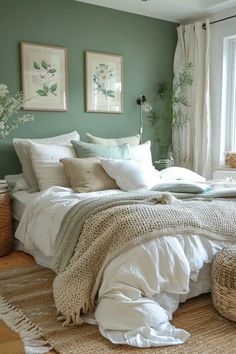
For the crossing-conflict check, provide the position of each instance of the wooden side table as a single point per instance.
(6, 239)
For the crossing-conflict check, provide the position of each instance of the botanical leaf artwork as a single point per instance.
(102, 80)
(44, 78)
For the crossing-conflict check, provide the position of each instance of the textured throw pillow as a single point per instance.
(131, 140)
(142, 153)
(95, 150)
(22, 148)
(47, 166)
(180, 173)
(182, 187)
(130, 174)
(87, 175)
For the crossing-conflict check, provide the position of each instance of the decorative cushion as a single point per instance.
(87, 174)
(131, 140)
(180, 173)
(181, 187)
(22, 148)
(47, 167)
(142, 153)
(93, 150)
(130, 174)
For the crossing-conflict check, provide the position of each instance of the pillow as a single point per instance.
(87, 175)
(180, 173)
(22, 148)
(130, 174)
(47, 167)
(131, 140)
(16, 183)
(94, 150)
(142, 153)
(182, 187)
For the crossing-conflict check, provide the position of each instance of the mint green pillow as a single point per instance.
(119, 152)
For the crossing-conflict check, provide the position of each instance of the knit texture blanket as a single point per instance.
(95, 231)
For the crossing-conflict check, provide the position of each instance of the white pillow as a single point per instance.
(22, 148)
(16, 183)
(180, 173)
(130, 174)
(142, 153)
(48, 170)
(131, 140)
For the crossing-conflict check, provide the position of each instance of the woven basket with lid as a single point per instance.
(5, 224)
(223, 276)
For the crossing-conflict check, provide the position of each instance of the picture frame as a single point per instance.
(44, 77)
(104, 82)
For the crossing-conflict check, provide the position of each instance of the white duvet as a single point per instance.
(141, 288)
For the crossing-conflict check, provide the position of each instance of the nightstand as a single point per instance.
(6, 239)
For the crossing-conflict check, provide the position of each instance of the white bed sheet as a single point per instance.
(142, 287)
(19, 201)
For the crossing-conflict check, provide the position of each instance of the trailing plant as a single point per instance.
(173, 95)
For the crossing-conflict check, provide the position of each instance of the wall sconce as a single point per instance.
(145, 106)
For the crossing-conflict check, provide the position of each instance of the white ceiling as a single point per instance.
(170, 10)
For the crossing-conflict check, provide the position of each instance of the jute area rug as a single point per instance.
(26, 305)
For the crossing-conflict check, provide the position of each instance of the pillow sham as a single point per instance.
(131, 140)
(182, 187)
(22, 148)
(131, 175)
(87, 175)
(180, 173)
(142, 153)
(47, 167)
(93, 150)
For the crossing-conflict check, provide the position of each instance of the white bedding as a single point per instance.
(19, 201)
(142, 287)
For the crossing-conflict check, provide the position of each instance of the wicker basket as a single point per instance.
(5, 224)
(223, 276)
(230, 159)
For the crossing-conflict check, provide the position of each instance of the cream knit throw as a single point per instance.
(116, 223)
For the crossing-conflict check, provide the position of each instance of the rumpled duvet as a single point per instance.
(141, 288)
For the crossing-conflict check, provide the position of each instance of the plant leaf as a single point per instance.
(52, 71)
(110, 91)
(54, 87)
(46, 89)
(44, 64)
(41, 93)
(36, 66)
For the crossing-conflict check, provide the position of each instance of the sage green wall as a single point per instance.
(147, 46)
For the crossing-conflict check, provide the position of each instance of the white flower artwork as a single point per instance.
(44, 77)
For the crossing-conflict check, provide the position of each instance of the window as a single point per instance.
(229, 92)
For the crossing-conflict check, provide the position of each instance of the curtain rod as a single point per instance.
(222, 19)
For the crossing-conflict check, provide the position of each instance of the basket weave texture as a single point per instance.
(223, 276)
(230, 159)
(5, 224)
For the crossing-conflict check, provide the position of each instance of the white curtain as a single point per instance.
(191, 142)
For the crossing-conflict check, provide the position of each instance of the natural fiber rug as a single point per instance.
(30, 290)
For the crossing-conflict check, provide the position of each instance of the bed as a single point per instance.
(139, 288)
(134, 306)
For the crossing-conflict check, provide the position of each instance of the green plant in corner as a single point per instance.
(9, 107)
(174, 99)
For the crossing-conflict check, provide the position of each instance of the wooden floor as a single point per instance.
(10, 342)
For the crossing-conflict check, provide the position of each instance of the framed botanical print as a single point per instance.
(44, 77)
(104, 82)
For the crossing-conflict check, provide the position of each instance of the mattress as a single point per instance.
(19, 201)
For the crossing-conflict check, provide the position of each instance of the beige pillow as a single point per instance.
(131, 140)
(22, 148)
(87, 174)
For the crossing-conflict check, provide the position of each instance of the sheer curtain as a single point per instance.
(191, 142)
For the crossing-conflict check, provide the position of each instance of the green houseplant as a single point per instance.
(173, 97)
(10, 118)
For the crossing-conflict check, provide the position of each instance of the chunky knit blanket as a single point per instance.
(95, 231)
